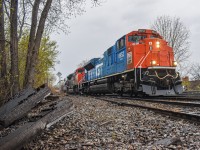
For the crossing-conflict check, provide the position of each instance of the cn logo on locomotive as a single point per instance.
(121, 55)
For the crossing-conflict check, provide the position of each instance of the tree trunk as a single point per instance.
(31, 41)
(14, 47)
(2, 43)
(30, 70)
(3, 67)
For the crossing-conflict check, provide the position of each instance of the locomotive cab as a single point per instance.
(153, 62)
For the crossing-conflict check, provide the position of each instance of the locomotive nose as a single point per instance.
(160, 54)
(155, 45)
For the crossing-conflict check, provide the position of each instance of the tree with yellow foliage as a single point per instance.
(46, 60)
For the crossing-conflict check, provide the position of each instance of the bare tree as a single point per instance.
(3, 68)
(11, 19)
(195, 71)
(53, 14)
(28, 77)
(23, 14)
(37, 17)
(176, 34)
(14, 47)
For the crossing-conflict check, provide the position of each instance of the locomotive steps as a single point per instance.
(29, 113)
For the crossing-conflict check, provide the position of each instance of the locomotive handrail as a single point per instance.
(136, 67)
(144, 59)
(79, 83)
(161, 67)
(167, 75)
(141, 65)
(138, 62)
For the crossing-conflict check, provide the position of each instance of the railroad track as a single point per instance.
(181, 98)
(183, 111)
(194, 103)
(191, 93)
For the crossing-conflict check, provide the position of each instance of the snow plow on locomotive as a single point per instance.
(139, 62)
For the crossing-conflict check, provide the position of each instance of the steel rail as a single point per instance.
(182, 115)
(182, 98)
(171, 102)
(164, 100)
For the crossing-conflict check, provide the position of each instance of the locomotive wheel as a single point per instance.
(141, 94)
(136, 94)
(131, 94)
(121, 93)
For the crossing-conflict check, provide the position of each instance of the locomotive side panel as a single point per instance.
(121, 54)
(109, 61)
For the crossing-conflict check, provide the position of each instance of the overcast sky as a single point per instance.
(98, 28)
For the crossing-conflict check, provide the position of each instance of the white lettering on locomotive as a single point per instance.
(121, 55)
(98, 69)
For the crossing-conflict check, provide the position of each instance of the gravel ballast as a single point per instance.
(96, 124)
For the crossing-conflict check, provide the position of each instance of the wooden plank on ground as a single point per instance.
(18, 138)
(22, 109)
(62, 108)
(21, 136)
(16, 101)
(52, 97)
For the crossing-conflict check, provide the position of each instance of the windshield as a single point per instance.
(136, 38)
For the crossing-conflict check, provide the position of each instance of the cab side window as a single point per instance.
(121, 43)
(109, 52)
(136, 38)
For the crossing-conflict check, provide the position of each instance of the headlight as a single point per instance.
(158, 44)
(153, 62)
(174, 63)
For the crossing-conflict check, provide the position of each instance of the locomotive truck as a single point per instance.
(139, 62)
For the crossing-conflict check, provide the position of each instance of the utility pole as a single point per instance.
(59, 74)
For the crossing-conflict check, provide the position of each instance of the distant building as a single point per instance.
(194, 85)
(185, 79)
(190, 85)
